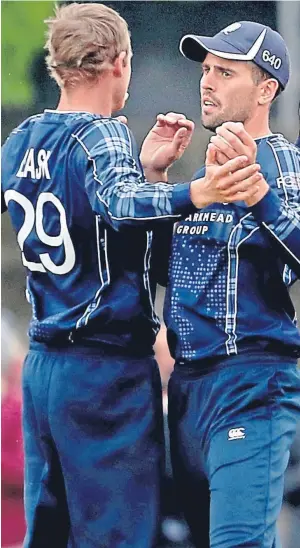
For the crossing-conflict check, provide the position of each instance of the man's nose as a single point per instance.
(207, 81)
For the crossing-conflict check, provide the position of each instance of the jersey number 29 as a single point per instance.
(36, 217)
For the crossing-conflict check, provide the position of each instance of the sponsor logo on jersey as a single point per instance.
(291, 181)
(236, 434)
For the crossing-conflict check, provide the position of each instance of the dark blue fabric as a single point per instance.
(231, 268)
(84, 217)
(93, 444)
(231, 431)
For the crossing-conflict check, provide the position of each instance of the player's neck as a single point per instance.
(258, 125)
(86, 99)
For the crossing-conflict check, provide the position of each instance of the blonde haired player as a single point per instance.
(85, 218)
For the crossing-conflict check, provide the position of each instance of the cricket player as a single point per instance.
(84, 216)
(234, 396)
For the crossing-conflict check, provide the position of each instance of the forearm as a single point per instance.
(125, 199)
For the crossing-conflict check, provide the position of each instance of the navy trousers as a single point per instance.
(93, 449)
(230, 432)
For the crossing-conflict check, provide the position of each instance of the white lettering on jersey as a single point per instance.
(35, 165)
(186, 229)
(210, 217)
(291, 181)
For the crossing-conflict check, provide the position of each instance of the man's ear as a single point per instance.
(268, 91)
(119, 63)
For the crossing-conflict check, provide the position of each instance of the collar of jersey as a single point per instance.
(53, 111)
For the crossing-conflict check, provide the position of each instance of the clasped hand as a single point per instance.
(230, 142)
(232, 173)
(165, 143)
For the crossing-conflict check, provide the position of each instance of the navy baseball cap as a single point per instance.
(243, 41)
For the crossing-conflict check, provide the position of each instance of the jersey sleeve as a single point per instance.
(199, 173)
(279, 211)
(115, 183)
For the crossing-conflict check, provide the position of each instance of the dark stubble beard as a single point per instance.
(240, 114)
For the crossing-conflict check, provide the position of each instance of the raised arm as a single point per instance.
(117, 189)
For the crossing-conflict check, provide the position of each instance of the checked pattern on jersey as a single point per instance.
(116, 178)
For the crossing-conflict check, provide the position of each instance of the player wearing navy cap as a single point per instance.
(85, 217)
(234, 396)
(243, 41)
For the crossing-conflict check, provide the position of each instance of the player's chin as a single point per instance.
(120, 105)
(209, 122)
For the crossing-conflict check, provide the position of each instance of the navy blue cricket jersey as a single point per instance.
(232, 266)
(84, 217)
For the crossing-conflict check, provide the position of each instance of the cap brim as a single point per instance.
(195, 48)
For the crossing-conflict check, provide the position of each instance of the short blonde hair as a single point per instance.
(83, 40)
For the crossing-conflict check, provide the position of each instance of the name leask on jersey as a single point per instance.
(35, 164)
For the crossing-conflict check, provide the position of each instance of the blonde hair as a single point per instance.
(83, 40)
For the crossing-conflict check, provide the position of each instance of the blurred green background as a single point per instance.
(23, 32)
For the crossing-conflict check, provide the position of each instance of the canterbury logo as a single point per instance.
(236, 434)
(232, 28)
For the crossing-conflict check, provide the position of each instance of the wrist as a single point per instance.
(259, 195)
(198, 193)
(156, 175)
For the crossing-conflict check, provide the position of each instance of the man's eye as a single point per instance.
(226, 74)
